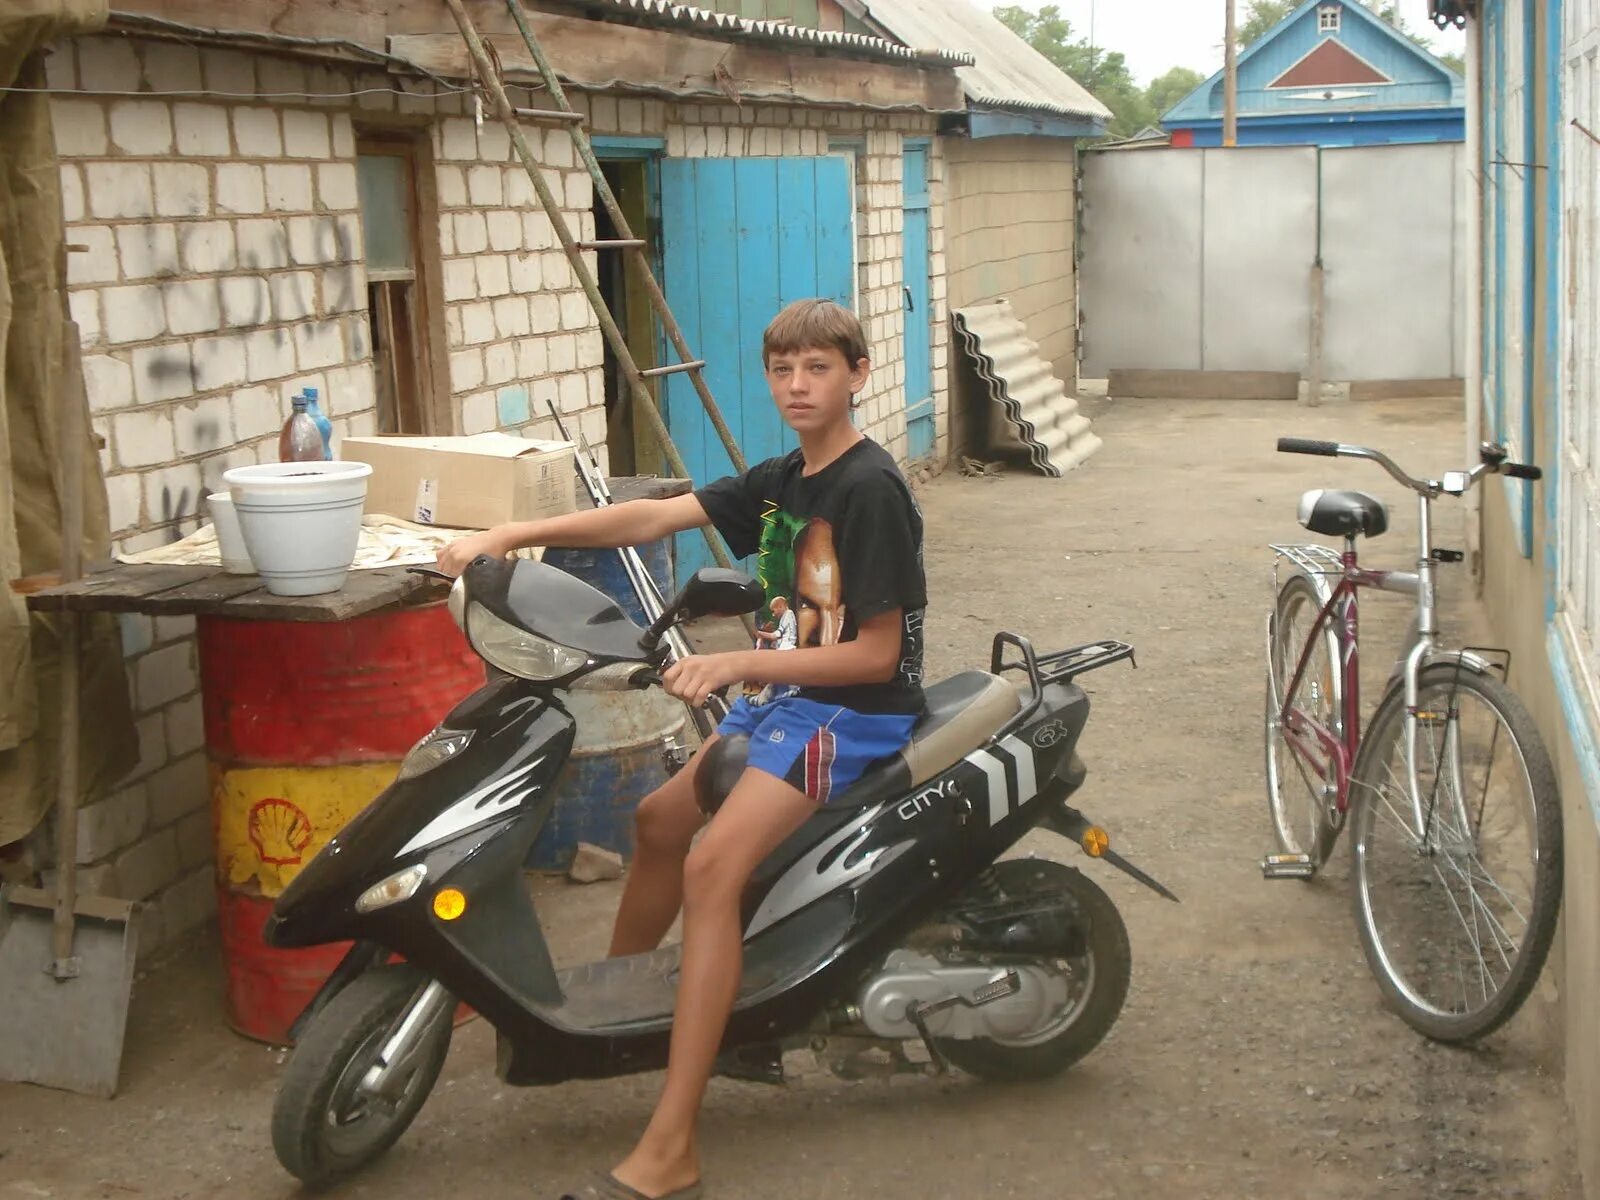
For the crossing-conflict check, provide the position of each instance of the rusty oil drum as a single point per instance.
(306, 722)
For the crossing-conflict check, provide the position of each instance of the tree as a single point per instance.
(1166, 90)
(1104, 73)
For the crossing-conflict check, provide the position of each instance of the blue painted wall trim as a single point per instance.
(984, 124)
(606, 146)
(1332, 131)
(1575, 710)
(1554, 256)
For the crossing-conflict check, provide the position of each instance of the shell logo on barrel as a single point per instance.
(279, 831)
(271, 821)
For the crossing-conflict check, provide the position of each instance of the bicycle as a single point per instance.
(1456, 899)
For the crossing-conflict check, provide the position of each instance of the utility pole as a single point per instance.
(1230, 83)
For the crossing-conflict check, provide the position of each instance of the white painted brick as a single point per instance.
(72, 203)
(142, 127)
(171, 497)
(458, 139)
(138, 633)
(519, 190)
(111, 824)
(630, 115)
(452, 324)
(716, 144)
(336, 186)
(603, 113)
(144, 438)
(257, 412)
(452, 185)
(108, 63)
(164, 675)
(580, 192)
(108, 381)
(294, 295)
(162, 373)
(557, 271)
(505, 230)
(591, 347)
(207, 246)
(118, 189)
(269, 354)
(563, 353)
(189, 903)
(192, 306)
(364, 424)
(124, 496)
(527, 275)
(97, 264)
(484, 188)
(148, 865)
(240, 188)
(533, 357)
(201, 428)
(246, 301)
(263, 246)
(85, 310)
(147, 251)
(494, 143)
(283, 77)
(183, 786)
(575, 311)
(133, 314)
(537, 231)
(61, 67)
(202, 130)
(350, 390)
(172, 67)
(305, 134)
(447, 236)
(477, 323)
(318, 344)
(543, 394)
(574, 392)
(511, 316)
(313, 241)
(460, 279)
(344, 136)
(500, 363)
(219, 362)
(479, 414)
(544, 310)
(288, 187)
(494, 275)
(466, 369)
(472, 233)
(257, 133)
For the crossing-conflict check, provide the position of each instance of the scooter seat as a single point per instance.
(962, 712)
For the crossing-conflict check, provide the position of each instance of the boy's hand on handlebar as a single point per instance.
(695, 678)
(453, 559)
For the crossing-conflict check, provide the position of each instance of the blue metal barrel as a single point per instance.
(603, 569)
(616, 762)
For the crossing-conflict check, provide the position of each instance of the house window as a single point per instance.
(386, 176)
(1328, 19)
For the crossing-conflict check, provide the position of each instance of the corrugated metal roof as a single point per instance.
(1006, 72)
(660, 12)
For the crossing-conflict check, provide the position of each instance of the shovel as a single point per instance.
(66, 961)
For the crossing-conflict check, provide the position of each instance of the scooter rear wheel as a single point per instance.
(323, 1127)
(1105, 969)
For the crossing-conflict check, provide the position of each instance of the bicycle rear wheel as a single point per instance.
(1456, 915)
(1300, 797)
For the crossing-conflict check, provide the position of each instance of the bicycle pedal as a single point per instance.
(1288, 866)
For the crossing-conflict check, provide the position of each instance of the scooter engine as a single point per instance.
(990, 1004)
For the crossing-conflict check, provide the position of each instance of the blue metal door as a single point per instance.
(915, 296)
(743, 237)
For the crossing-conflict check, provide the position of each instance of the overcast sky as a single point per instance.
(1158, 34)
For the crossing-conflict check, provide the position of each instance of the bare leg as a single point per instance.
(664, 829)
(761, 811)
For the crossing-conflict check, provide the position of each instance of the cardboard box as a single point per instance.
(466, 482)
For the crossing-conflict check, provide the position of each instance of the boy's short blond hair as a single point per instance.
(815, 325)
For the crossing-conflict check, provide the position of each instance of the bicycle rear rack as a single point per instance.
(1312, 558)
(1059, 667)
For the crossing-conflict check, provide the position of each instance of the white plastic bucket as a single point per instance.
(301, 522)
(230, 541)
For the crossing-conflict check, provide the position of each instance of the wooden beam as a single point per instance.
(600, 54)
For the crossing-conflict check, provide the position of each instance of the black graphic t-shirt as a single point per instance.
(834, 549)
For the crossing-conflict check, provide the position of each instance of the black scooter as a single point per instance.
(887, 919)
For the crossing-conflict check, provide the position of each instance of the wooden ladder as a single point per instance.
(563, 115)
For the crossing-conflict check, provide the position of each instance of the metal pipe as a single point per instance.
(1230, 84)
(1472, 182)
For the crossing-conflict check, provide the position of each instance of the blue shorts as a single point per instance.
(821, 749)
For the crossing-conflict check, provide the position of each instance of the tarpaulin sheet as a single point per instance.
(34, 337)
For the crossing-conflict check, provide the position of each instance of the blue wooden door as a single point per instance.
(915, 297)
(743, 237)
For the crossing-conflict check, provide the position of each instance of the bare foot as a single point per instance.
(658, 1174)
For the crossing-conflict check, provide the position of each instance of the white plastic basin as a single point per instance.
(301, 522)
(230, 542)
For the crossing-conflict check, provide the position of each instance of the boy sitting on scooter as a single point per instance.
(840, 539)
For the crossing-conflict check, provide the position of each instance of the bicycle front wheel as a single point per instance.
(1299, 796)
(1456, 909)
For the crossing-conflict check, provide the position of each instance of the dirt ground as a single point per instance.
(1253, 1057)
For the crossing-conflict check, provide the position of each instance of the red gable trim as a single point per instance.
(1329, 65)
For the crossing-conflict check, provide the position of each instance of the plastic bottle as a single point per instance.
(324, 426)
(299, 441)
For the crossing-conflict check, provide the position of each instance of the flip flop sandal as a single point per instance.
(607, 1186)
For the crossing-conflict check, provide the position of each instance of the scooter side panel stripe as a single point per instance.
(1027, 782)
(482, 805)
(994, 772)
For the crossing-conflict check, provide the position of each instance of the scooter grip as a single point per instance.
(644, 679)
(1308, 446)
(1523, 471)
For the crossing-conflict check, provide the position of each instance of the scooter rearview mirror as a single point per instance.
(710, 592)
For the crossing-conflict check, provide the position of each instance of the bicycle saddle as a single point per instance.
(1343, 514)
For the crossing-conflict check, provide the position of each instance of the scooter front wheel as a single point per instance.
(324, 1124)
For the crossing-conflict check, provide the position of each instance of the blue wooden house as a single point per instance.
(1331, 73)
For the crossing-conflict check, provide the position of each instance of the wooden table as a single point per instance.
(171, 591)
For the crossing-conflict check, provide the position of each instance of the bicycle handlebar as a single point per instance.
(1307, 446)
(1492, 461)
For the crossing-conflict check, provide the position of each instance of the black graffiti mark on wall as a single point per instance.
(181, 505)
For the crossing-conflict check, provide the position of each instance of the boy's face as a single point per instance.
(812, 388)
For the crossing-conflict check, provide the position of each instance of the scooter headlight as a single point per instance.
(438, 747)
(518, 652)
(402, 885)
